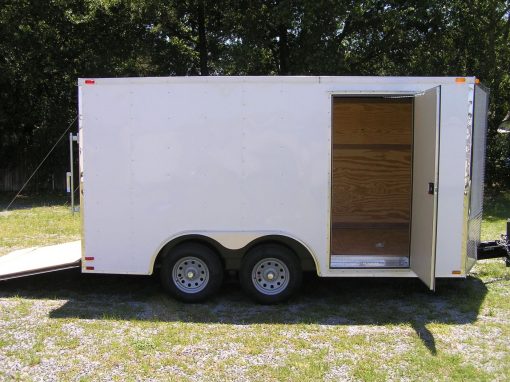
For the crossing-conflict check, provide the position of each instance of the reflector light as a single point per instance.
(89, 258)
(477, 81)
(89, 268)
(460, 79)
(90, 82)
(455, 272)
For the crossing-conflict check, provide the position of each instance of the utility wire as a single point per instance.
(40, 164)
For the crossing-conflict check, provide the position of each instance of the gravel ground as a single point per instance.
(68, 326)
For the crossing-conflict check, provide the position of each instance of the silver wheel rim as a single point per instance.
(190, 274)
(270, 276)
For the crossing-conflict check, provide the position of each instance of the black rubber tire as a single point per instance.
(204, 253)
(281, 253)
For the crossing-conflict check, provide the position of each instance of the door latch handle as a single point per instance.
(431, 188)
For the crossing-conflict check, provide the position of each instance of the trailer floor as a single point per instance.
(31, 261)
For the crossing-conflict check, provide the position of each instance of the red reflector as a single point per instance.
(89, 268)
(90, 82)
(89, 258)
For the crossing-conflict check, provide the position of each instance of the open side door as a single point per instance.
(425, 178)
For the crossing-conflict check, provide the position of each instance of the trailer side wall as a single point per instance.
(236, 158)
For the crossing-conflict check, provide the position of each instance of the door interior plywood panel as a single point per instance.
(372, 120)
(371, 185)
(384, 242)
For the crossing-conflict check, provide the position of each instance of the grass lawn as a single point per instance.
(33, 221)
(69, 326)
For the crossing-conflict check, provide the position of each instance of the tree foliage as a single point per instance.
(47, 45)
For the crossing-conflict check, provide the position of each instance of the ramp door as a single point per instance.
(32, 261)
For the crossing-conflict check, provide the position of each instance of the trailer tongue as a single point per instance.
(496, 248)
(32, 261)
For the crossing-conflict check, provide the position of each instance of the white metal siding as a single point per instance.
(226, 157)
(477, 172)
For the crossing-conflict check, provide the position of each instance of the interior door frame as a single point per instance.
(360, 94)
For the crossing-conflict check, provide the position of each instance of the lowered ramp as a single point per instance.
(36, 260)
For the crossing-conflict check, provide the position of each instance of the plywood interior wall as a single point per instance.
(371, 176)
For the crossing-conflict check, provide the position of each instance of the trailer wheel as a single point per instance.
(270, 273)
(191, 272)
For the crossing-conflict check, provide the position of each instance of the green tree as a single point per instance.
(47, 45)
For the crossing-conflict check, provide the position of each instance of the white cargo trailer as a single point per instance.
(269, 176)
